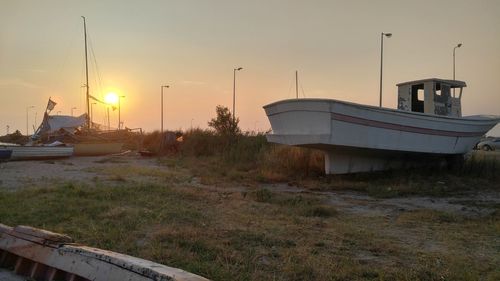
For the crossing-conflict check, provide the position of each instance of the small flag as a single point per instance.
(96, 99)
(51, 105)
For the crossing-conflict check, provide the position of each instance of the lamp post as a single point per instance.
(234, 92)
(91, 112)
(109, 126)
(8, 127)
(72, 110)
(27, 112)
(36, 114)
(166, 86)
(457, 46)
(119, 112)
(388, 35)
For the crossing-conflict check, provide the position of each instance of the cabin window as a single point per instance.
(438, 89)
(417, 98)
(420, 95)
(456, 93)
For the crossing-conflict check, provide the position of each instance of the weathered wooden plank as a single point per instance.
(43, 234)
(79, 261)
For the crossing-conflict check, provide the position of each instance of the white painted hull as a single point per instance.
(333, 125)
(40, 152)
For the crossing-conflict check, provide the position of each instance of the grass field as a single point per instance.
(227, 219)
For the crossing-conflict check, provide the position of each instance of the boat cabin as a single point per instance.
(431, 96)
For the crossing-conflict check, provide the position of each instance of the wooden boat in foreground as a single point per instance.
(28, 152)
(427, 125)
(28, 253)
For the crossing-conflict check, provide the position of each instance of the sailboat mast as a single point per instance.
(86, 73)
(296, 84)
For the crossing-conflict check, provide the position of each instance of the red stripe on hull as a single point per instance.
(398, 127)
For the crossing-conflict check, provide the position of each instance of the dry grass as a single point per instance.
(259, 233)
(237, 228)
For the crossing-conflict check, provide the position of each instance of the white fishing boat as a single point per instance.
(33, 152)
(28, 253)
(358, 138)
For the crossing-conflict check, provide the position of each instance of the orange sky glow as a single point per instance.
(193, 46)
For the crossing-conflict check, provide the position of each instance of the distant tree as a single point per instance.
(16, 137)
(223, 124)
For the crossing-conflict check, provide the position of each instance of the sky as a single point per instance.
(193, 46)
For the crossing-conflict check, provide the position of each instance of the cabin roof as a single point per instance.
(452, 83)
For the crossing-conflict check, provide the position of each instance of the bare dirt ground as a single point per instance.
(23, 174)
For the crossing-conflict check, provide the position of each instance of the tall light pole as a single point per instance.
(109, 126)
(27, 112)
(72, 110)
(91, 112)
(119, 112)
(457, 46)
(388, 35)
(166, 86)
(36, 113)
(234, 93)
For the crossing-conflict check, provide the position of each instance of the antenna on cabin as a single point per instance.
(296, 84)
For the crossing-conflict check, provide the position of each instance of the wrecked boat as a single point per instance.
(28, 253)
(73, 131)
(427, 124)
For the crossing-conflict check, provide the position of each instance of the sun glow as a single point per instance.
(111, 98)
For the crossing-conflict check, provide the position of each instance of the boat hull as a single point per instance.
(35, 254)
(370, 134)
(40, 152)
(97, 149)
(5, 154)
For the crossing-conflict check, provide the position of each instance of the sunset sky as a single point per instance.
(193, 46)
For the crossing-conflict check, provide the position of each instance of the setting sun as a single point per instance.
(111, 98)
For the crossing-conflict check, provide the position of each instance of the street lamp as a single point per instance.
(457, 46)
(234, 92)
(91, 112)
(27, 112)
(72, 110)
(119, 112)
(166, 86)
(388, 35)
(36, 113)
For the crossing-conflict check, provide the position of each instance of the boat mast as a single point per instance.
(86, 73)
(296, 84)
